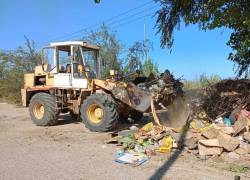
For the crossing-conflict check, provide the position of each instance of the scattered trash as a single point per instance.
(219, 120)
(223, 155)
(202, 114)
(125, 138)
(227, 121)
(166, 145)
(217, 132)
(233, 155)
(140, 149)
(181, 129)
(174, 151)
(149, 152)
(3, 116)
(131, 159)
(194, 125)
(143, 155)
(145, 129)
(133, 129)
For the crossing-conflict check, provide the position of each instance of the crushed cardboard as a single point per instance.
(209, 147)
(241, 123)
(226, 141)
(226, 129)
(245, 146)
(240, 151)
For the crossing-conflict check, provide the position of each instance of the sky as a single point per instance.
(194, 52)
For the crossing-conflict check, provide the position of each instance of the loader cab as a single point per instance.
(63, 58)
(89, 59)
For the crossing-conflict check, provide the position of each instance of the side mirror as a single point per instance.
(86, 68)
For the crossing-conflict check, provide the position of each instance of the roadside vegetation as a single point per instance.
(201, 82)
(126, 59)
(196, 88)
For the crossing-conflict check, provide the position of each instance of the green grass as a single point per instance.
(234, 168)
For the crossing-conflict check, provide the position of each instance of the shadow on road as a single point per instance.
(65, 119)
(123, 123)
(165, 167)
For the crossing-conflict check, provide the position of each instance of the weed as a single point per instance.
(234, 168)
(211, 165)
(237, 168)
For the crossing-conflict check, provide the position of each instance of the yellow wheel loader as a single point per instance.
(77, 87)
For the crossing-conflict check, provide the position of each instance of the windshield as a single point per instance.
(86, 57)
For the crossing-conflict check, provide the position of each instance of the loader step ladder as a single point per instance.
(59, 99)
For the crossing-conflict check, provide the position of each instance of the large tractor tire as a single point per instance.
(136, 115)
(55, 121)
(99, 112)
(42, 110)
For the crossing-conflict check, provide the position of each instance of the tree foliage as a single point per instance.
(13, 65)
(119, 57)
(150, 66)
(111, 48)
(136, 56)
(209, 14)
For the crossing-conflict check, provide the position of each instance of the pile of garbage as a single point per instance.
(217, 129)
(225, 96)
(199, 138)
(136, 145)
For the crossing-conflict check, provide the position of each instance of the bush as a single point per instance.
(13, 65)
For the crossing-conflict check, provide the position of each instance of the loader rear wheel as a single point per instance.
(55, 121)
(42, 110)
(99, 112)
(136, 115)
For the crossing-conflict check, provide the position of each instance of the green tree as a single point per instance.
(150, 66)
(13, 65)
(111, 49)
(135, 59)
(209, 14)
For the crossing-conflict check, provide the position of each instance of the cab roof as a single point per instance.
(76, 43)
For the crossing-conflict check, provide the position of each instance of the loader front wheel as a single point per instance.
(42, 110)
(99, 112)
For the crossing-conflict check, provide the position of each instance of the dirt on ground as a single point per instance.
(70, 151)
